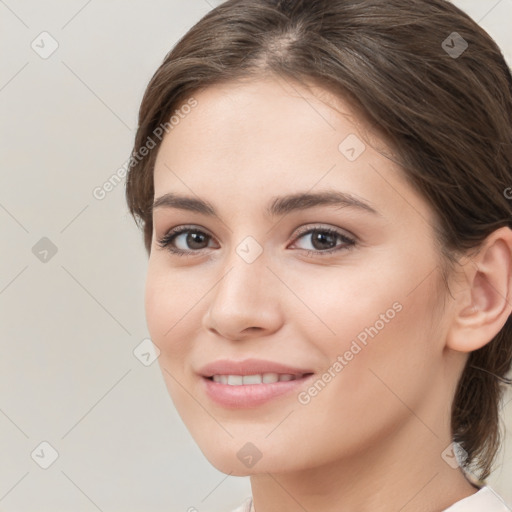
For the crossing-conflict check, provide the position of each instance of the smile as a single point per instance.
(262, 378)
(249, 391)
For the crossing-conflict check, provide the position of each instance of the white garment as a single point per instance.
(485, 500)
(246, 506)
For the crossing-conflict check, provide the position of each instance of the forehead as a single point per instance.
(272, 136)
(270, 122)
(259, 110)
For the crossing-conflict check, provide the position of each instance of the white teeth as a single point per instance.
(261, 378)
(235, 380)
(252, 379)
(269, 378)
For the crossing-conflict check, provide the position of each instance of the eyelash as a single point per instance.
(166, 241)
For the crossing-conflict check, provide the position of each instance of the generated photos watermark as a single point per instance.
(100, 192)
(356, 346)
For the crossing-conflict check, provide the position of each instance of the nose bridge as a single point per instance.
(245, 271)
(242, 297)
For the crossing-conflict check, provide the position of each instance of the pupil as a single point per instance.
(193, 238)
(321, 236)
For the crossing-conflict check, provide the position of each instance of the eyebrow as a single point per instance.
(280, 205)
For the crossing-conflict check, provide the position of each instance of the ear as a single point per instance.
(484, 301)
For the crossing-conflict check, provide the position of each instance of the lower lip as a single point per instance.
(250, 395)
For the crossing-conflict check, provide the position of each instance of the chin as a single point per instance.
(245, 460)
(228, 463)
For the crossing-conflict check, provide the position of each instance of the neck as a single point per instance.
(402, 471)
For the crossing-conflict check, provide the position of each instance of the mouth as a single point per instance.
(251, 390)
(236, 384)
(255, 379)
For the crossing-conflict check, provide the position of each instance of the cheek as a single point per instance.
(169, 327)
(156, 307)
(395, 351)
(382, 319)
(349, 303)
(367, 390)
(169, 313)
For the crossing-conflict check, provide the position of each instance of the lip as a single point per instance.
(250, 395)
(248, 367)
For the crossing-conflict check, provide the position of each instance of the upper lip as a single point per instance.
(248, 367)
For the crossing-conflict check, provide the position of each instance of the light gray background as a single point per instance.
(68, 326)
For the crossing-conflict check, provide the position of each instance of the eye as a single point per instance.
(322, 241)
(190, 238)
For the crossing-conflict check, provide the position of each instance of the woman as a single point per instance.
(326, 215)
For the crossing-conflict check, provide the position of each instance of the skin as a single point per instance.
(373, 438)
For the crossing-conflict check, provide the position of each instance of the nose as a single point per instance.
(244, 302)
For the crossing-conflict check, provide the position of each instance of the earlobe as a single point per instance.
(484, 302)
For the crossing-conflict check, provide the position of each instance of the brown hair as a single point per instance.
(445, 108)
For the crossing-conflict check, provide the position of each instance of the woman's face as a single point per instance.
(344, 293)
